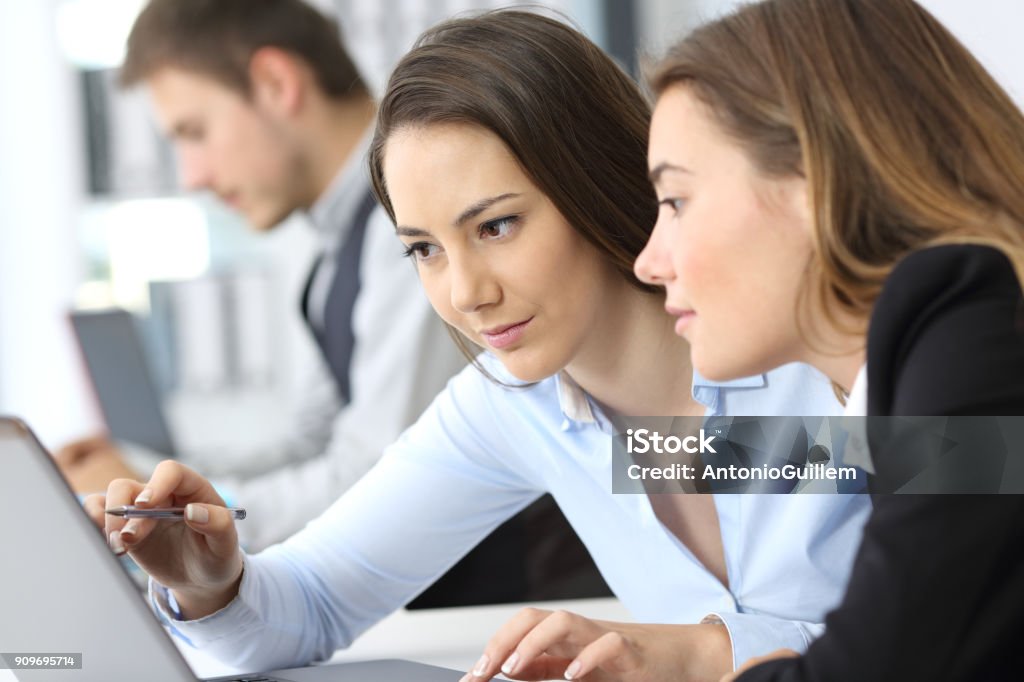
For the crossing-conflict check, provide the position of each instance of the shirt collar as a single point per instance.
(857, 402)
(341, 198)
(576, 405)
(573, 400)
(709, 393)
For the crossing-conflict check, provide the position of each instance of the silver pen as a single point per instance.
(130, 511)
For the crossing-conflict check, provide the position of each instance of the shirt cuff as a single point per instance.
(755, 635)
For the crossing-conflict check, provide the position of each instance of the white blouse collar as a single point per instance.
(857, 403)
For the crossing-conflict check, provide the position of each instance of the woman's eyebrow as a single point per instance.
(470, 213)
(663, 167)
(404, 231)
(481, 206)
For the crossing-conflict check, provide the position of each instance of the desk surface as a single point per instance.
(452, 638)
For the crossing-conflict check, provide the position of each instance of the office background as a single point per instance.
(90, 214)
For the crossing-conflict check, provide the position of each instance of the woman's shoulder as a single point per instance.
(946, 333)
(929, 283)
(947, 272)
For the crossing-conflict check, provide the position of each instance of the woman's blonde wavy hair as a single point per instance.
(905, 139)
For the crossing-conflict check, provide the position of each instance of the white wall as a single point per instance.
(662, 22)
(40, 191)
(990, 28)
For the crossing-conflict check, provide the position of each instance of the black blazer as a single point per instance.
(937, 586)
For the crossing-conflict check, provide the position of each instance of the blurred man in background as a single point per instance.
(267, 111)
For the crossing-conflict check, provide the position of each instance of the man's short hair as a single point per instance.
(217, 38)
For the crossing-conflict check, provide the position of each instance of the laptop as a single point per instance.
(122, 378)
(62, 591)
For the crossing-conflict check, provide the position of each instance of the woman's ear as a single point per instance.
(798, 202)
(278, 81)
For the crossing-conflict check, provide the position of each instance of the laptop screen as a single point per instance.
(121, 375)
(61, 588)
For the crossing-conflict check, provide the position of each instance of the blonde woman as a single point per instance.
(846, 176)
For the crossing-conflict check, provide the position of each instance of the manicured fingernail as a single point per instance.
(144, 497)
(481, 666)
(116, 543)
(510, 663)
(197, 513)
(572, 670)
(129, 528)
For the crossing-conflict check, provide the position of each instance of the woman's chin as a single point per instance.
(720, 369)
(528, 370)
(715, 369)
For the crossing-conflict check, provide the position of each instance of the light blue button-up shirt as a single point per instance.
(481, 453)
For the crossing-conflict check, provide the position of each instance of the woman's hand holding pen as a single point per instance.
(543, 645)
(199, 560)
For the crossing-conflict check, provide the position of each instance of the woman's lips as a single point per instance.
(232, 199)
(685, 316)
(501, 337)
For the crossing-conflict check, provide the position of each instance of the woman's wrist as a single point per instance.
(194, 604)
(706, 653)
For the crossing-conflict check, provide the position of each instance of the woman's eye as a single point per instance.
(675, 203)
(421, 251)
(191, 133)
(501, 227)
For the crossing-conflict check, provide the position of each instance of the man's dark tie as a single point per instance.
(337, 339)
